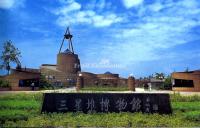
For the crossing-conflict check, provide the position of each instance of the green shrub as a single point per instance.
(44, 84)
(4, 83)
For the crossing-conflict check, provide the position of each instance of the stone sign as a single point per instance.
(107, 102)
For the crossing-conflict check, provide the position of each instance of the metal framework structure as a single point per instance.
(67, 36)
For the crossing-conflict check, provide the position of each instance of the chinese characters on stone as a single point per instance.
(90, 105)
(148, 106)
(78, 105)
(105, 104)
(62, 105)
(121, 104)
(135, 104)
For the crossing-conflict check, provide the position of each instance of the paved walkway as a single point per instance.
(73, 89)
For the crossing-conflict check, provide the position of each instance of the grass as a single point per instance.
(19, 104)
(22, 96)
(23, 110)
(13, 115)
(193, 115)
(176, 97)
(186, 106)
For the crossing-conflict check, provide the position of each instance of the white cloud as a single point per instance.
(188, 3)
(132, 3)
(101, 21)
(101, 4)
(71, 6)
(7, 4)
(89, 17)
(156, 7)
(148, 35)
(72, 13)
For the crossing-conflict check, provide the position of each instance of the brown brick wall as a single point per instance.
(187, 76)
(58, 75)
(16, 76)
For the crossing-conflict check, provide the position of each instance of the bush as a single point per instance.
(44, 84)
(166, 85)
(4, 83)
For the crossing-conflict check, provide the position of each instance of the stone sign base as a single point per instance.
(107, 102)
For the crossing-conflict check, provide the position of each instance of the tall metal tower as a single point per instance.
(67, 36)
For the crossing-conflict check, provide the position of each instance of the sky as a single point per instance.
(138, 37)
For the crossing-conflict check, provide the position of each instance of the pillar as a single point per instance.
(131, 83)
(79, 83)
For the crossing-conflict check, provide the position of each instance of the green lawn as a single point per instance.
(23, 110)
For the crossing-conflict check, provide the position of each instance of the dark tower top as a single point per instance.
(67, 61)
(67, 36)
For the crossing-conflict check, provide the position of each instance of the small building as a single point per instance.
(156, 84)
(186, 81)
(21, 79)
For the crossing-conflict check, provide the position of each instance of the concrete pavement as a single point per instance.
(73, 89)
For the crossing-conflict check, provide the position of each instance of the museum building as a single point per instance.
(64, 73)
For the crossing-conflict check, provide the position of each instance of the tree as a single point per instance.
(10, 54)
(160, 76)
(168, 83)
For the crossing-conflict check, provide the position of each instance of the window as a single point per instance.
(28, 82)
(183, 83)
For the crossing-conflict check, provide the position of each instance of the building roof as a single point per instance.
(197, 70)
(27, 70)
(108, 73)
(194, 71)
(156, 80)
(49, 67)
(67, 51)
(48, 64)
